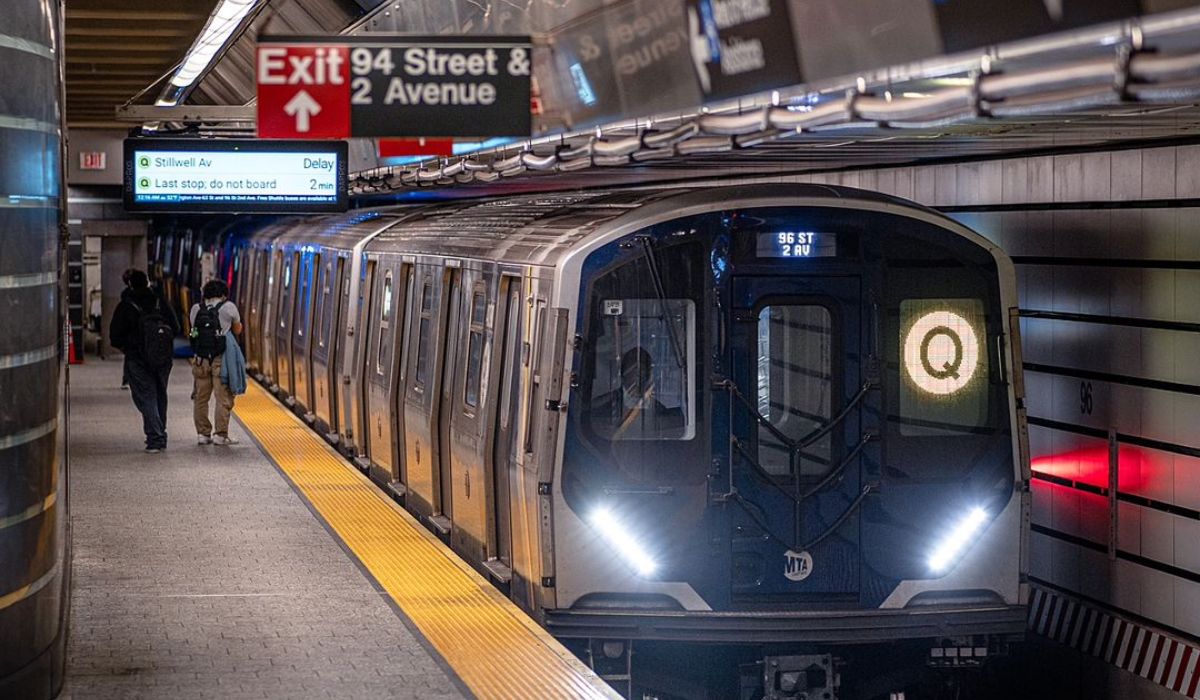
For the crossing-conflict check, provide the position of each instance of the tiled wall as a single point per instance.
(1107, 247)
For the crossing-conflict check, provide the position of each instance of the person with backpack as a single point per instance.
(144, 328)
(213, 319)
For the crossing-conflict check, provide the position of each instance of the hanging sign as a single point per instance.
(379, 86)
(741, 47)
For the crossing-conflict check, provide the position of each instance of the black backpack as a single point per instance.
(157, 336)
(207, 340)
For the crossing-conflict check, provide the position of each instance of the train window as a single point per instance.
(323, 303)
(475, 349)
(423, 333)
(533, 358)
(512, 338)
(794, 358)
(408, 319)
(385, 311)
(641, 386)
(385, 315)
(944, 366)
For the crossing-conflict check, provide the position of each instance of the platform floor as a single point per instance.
(200, 573)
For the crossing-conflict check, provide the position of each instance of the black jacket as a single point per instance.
(125, 331)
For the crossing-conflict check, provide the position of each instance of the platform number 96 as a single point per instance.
(1085, 398)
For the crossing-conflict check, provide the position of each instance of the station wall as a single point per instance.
(1107, 252)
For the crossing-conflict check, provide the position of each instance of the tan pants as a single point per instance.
(207, 376)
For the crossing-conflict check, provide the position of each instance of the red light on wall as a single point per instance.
(1090, 466)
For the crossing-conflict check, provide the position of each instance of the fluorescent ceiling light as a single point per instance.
(222, 23)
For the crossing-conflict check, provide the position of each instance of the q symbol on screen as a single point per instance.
(941, 352)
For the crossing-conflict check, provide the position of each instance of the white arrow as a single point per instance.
(302, 107)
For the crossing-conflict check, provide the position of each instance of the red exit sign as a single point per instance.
(93, 160)
(303, 91)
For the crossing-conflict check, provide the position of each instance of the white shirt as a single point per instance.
(228, 314)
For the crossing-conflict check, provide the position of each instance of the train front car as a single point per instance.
(794, 425)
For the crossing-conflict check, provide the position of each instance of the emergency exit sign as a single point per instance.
(337, 87)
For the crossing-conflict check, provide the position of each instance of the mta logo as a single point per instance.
(797, 566)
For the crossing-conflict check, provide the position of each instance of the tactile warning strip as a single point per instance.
(495, 648)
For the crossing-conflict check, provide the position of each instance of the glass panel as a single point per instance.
(423, 351)
(944, 383)
(386, 309)
(474, 367)
(408, 301)
(512, 338)
(641, 386)
(478, 309)
(795, 384)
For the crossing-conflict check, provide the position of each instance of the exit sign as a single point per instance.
(93, 160)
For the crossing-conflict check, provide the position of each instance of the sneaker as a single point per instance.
(224, 440)
(203, 440)
(125, 387)
(154, 450)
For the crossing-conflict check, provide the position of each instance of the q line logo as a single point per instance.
(941, 352)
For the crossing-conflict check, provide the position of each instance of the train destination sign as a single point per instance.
(226, 175)
(381, 86)
(796, 244)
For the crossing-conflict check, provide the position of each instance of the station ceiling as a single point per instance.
(116, 48)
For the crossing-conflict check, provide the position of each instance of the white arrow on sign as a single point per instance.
(302, 107)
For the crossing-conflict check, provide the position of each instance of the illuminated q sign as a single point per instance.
(941, 352)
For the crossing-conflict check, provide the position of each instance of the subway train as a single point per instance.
(773, 427)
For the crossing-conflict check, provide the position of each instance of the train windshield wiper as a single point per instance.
(651, 256)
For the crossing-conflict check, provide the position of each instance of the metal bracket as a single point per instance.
(209, 114)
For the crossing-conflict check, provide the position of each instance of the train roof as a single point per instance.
(538, 229)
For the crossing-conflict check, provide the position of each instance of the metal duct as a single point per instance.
(34, 541)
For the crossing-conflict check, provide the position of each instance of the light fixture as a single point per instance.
(220, 26)
(621, 540)
(957, 540)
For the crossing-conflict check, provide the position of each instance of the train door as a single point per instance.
(283, 325)
(361, 430)
(506, 446)
(382, 369)
(444, 408)
(400, 345)
(797, 374)
(325, 345)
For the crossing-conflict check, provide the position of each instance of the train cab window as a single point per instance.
(423, 329)
(475, 349)
(794, 385)
(641, 386)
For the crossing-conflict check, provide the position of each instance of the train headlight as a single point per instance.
(957, 539)
(623, 541)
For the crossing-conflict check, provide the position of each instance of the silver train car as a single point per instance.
(778, 418)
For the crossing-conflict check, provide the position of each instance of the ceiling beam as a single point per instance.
(116, 31)
(134, 15)
(187, 113)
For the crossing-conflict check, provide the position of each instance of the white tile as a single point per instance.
(1041, 179)
(1187, 172)
(1126, 591)
(1095, 574)
(1187, 482)
(1187, 606)
(1158, 596)
(1126, 180)
(1040, 555)
(1187, 543)
(1041, 498)
(1014, 180)
(1158, 173)
(1064, 570)
(1129, 528)
(1158, 536)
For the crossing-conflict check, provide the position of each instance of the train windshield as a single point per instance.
(641, 389)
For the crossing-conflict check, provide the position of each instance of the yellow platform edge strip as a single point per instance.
(496, 650)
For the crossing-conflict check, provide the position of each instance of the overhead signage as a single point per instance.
(740, 47)
(381, 85)
(399, 148)
(228, 175)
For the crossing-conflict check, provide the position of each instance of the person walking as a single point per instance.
(144, 329)
(213, 319)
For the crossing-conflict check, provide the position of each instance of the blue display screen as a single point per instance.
(796, 244)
